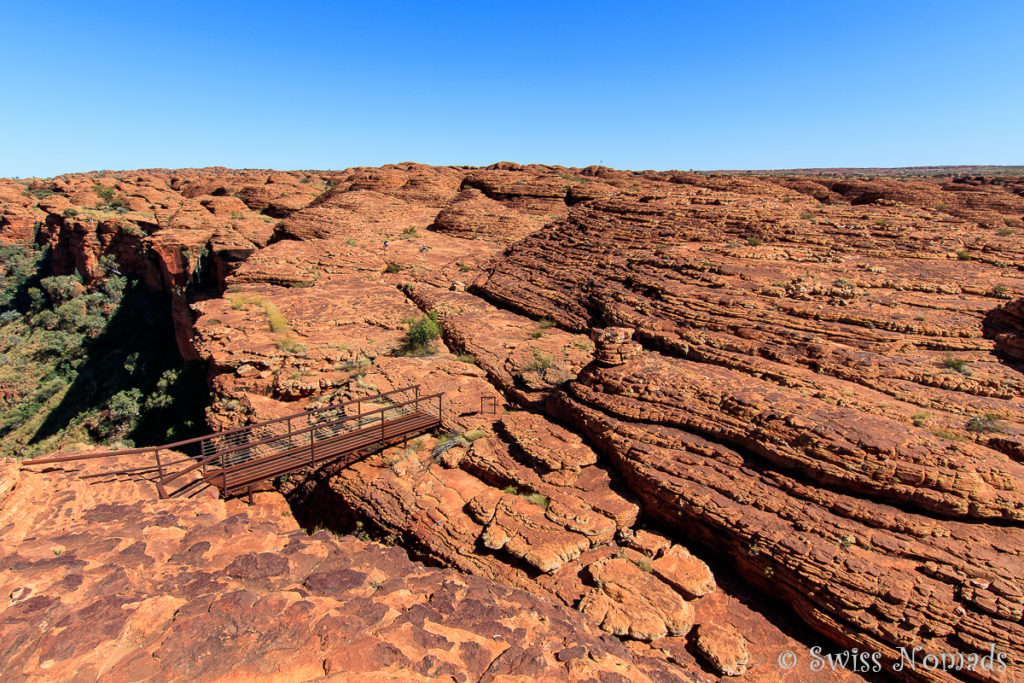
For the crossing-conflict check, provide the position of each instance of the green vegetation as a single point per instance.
(920, 418)
(276, 320)
(806, 215)
(39, 192)
(420, 336)
(753, 241)
(409, 233)
(542, 362)
(467, 358)
(957, 364)
(88, 361)
(393, 268)
(289, 345)
(963, 255)
(109, 199)
(1004, 232)
(532, 496)
(986, 423)
(1001, 292)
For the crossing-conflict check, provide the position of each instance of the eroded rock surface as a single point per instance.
(101, 581)
(810, 383)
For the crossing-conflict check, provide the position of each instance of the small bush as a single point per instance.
(40, 192)
(409, 233)
(1001, 292)
(753, 241)
(463, 268)
(545, 324)
(919, 418)
(538, 499)
(69, 212)
(806, 215)
(350, 241)
(467, 358)
(987, 423)
(957, 364)
(1004, 232)
(393, 268)
(289, 345)
(420, 335)
(963, 255)
(542, 362)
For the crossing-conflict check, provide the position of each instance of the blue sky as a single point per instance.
(713, 85)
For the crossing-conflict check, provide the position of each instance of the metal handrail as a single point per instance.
(161, 484)
(212, 435)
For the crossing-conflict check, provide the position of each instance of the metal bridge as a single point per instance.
(236, 460)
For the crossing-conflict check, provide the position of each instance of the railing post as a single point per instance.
(159, 467)
(382, 414)
(312, 456)
(417, 395)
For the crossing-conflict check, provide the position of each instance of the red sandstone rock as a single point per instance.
(796, 416)
(724, 649)
(104, 581)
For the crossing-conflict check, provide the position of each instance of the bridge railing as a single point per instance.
(239, 438)
(298, 441)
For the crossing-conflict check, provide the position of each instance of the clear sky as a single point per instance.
(717, 84)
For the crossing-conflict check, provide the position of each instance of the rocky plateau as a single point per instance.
(699, 420)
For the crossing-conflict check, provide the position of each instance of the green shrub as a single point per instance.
(420, 335)
(538, 499)
(393, 268)
(957, 364)
(986, 423)
(409, 233)
(542, 362)
(69, 212)
(40, 192)
(62, 287)
(753, 241)
(963, 255)
(467, 358)
(289, 345)
(919, 418)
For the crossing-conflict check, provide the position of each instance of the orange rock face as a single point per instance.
(689, 407)
(102, 581)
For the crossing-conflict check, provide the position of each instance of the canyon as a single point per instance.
(691, 421)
